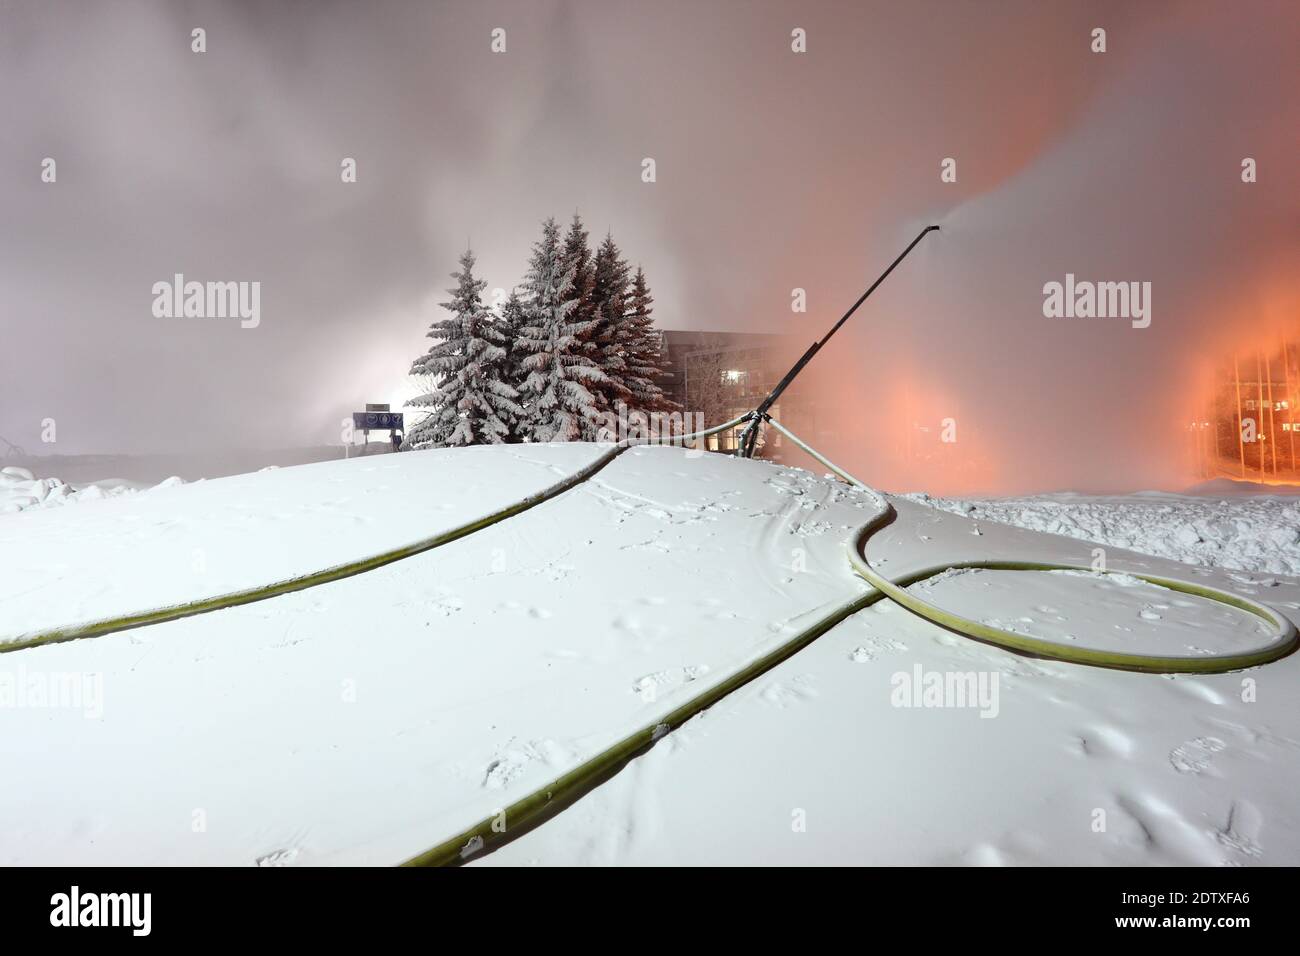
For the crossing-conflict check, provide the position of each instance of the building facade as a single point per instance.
(720, 375)
(1247, 425)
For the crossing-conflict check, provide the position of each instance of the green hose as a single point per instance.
(1283, 641)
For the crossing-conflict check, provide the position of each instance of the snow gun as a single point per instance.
(749, 438)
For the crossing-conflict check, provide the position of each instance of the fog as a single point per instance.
(775, 171)
(1142, 184)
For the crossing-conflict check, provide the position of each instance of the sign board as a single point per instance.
(366, 421)
(376, 406)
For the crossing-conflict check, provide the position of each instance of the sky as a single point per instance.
(775, 170)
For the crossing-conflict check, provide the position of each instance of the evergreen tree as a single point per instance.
(609, 299)
(514, 318)
(577, 253)
(645, 361)
(554, 349)
(472, 402)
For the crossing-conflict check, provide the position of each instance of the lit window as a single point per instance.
(733, 376)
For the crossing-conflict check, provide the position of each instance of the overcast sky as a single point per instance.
(775, 170)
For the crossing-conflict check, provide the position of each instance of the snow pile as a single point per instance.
(21, 490)
(1260, 533)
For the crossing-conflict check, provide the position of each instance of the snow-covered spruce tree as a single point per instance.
(643, 354)
(609, 296)
(513, 320)
(473, 403)
(554, 350)
(577, 253)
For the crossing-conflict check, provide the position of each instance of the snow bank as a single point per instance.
(1259, 534)
(20, 490)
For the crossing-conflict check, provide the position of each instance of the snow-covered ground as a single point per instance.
(365, 720)
(837, 756)
(184, 542)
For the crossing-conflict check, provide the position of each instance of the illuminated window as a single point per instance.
(733, 376)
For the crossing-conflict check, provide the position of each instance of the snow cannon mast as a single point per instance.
(750, 437)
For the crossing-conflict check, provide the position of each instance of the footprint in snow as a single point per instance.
(1102, 740)
(651, 685)
(1241, 833)
(1194, 756)
(279, 857)
(515, 760)
(784, 695)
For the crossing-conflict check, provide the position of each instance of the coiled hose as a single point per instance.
(1281, 643)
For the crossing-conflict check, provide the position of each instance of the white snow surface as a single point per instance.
(181, 542)
(365, 720)
(821, 761)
